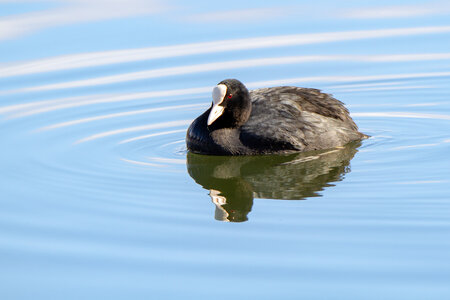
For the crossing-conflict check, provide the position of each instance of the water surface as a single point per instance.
(101, 200)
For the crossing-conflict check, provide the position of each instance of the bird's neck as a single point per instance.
(236, 115)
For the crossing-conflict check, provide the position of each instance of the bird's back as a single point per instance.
(298, 119)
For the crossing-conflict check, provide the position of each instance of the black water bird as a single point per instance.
(280, 120)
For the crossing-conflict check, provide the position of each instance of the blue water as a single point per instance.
(100, 199)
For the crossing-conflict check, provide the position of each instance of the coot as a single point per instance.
(280, 120)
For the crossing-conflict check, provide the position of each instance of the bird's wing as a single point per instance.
(290, 117)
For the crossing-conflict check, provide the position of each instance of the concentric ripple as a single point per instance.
(99, 190)
(153, 136)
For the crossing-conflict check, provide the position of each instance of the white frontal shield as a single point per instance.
(218, 94)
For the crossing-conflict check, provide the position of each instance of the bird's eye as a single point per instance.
(230, 96)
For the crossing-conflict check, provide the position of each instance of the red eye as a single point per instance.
(230, 96)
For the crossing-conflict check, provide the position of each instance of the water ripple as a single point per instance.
(121, 114)
(229, 65)
(133, 129)
(76, 61)
(99, 195)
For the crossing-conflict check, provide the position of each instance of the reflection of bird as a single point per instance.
(233, 181)
(270, 120)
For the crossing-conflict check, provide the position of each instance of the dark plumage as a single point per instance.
(270, 120)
